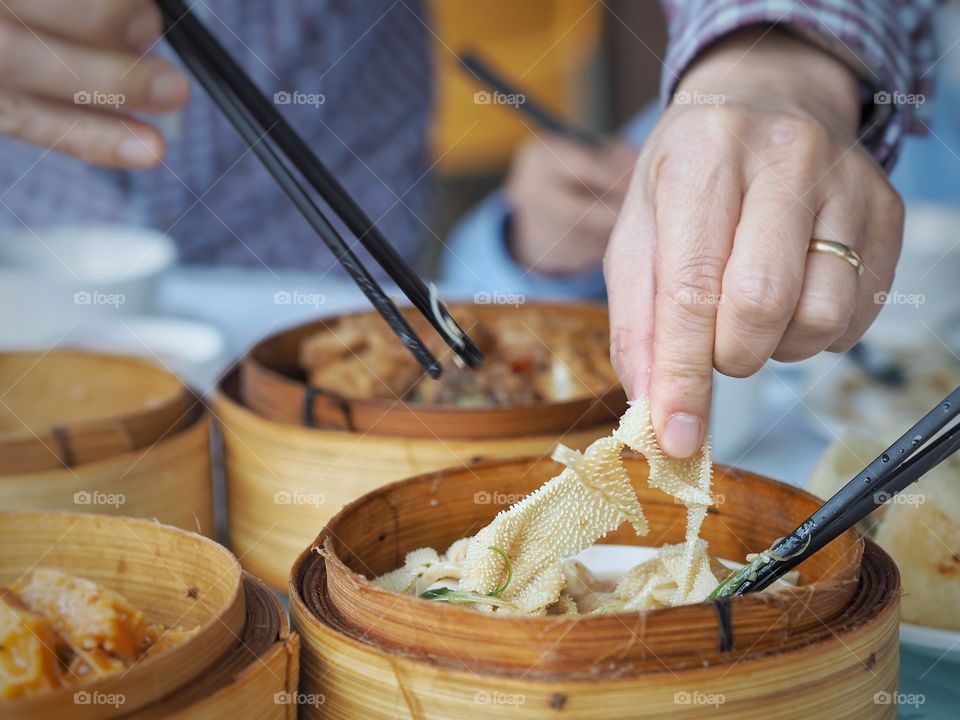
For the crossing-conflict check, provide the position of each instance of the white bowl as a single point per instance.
(195, 351)
(53, 279)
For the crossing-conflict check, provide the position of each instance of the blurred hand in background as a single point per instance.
(72, 73)
(565, 198)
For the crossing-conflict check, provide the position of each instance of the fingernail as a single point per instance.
(138, 152)
(168, 88)
(142, 30)
(681, 435)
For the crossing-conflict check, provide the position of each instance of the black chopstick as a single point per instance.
(534, 110)
(911, 471)
(915, 453)
(247, 108)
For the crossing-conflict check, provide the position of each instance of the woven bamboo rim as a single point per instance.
(172, 576)
(285, 482)
(169, 481)
(67, 408)
(834, 671)
(272, 384)
(778, 657)
(255, 680)
(373, 534)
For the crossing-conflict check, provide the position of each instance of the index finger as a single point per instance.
(697, 206)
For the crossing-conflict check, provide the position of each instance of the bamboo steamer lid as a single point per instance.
(174, 577)
(284, 481)
(824, 649)
(272, 384)
(169, 480)
(255, 680)
(66, 408)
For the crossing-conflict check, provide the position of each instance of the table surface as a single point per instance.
(250, 305)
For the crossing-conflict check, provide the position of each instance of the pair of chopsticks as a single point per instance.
(261, 126)
(898, 467)
(534, 110)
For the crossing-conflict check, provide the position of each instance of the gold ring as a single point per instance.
(832, 247)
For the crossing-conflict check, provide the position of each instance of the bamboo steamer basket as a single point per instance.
(169, 481)
(823, 649)
(65, 408)
(285, 481)
(273, 385)
(174, 577)
(255, 680)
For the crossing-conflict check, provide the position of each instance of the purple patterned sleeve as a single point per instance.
(887, 43)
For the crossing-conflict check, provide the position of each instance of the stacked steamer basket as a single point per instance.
(823, 649)
(102, 433)
(241, 662)
(295, 455)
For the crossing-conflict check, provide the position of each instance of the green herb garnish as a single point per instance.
(506, 583)
(461, 597)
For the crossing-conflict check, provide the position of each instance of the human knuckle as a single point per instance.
(794, 131)
(759, 300)
(823, 316)
(695, 283)
(891, 204)
(733, 356)
(715, 124)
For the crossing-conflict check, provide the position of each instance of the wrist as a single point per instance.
(774, 69)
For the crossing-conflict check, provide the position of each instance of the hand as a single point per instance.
(565, 199)
(73, 71)
(709, 264)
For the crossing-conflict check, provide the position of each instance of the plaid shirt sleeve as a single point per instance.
(887, 43)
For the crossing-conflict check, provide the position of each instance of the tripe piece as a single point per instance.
(592, 496)
(655, 583)
(422, 568)
(688, 480)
